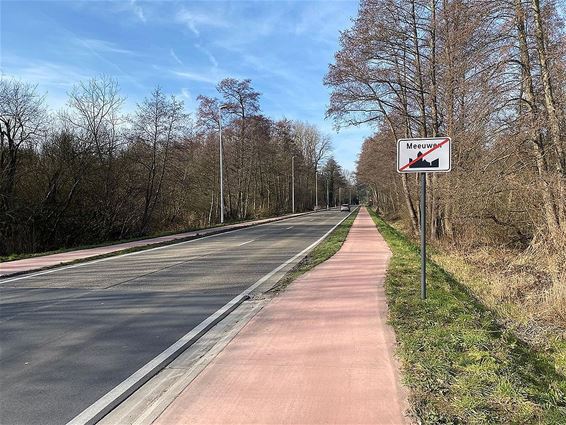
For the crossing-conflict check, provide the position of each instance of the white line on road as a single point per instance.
(114, 397)
(243, 243)
(290, 227)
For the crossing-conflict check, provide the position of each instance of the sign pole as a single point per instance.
(423, 236)
(422, 156)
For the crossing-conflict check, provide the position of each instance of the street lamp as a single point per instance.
(327, 194)
(220, 108)
(316, 189)
(293, 183)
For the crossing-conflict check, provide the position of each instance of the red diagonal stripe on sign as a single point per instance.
(424, 154)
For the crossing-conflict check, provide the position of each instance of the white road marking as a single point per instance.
(290, 227)
(243, 243)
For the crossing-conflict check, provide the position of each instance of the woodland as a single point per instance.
(492, 76)
(92, 173)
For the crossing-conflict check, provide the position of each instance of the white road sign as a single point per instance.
(424, 155)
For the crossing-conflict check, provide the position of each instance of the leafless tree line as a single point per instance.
(91, 173)
(490, 74)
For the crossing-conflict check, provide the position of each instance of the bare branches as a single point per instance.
(478, 71)
(98, 174)
(23, 123)
(94, 115)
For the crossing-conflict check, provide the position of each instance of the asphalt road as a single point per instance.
(69, 336)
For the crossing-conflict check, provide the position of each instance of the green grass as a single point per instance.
(460, 366)
(322, 252)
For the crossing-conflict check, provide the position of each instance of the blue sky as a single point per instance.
(284, 47)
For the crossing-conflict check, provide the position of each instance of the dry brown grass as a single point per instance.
(526, 289)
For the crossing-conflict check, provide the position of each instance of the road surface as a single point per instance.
(69, 335)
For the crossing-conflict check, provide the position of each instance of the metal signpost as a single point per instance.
(432, 155)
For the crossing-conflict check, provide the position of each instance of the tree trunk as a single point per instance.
(549, 102)
(410, 204)
(435, 216)
(536, 137)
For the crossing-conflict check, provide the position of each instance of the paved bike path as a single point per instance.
(321, 352)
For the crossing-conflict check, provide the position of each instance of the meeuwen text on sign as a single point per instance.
(424, 155)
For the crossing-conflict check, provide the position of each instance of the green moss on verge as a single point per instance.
(460, 366)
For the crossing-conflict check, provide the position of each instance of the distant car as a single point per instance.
(345, 207)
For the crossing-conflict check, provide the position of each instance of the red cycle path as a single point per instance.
(320, 353)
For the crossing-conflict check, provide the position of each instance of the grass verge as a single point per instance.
(460, 366)
(322, 252)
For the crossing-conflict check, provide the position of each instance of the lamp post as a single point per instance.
(316, 188)
(221, 162)
(327, 195)
(293, 184)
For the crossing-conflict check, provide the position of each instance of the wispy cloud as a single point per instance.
(174, 56)
(56, 79)
(193, 76)
(187, 47)
(100, 49)
(138, 10)
(188, 99)
(195, 20)
(102, 46)
(209, 55)
(43, 72)
(320, 24)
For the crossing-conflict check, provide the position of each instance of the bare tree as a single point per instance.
(95, 115)
(96, 174)
(23, 123)
(95, 118)
(242, 104)
(157, 123)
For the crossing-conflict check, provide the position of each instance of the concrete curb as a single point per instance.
(205, 233)
(104, 405)
(118, 394)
